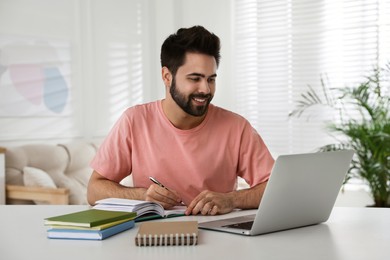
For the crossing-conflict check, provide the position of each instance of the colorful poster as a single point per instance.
(34, 77)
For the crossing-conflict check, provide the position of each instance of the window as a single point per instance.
(283, 46)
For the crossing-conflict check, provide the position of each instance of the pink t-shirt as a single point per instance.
(210, 156)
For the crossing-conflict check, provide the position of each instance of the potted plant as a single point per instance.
(366, 132)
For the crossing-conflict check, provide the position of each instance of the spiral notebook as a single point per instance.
(172, 233)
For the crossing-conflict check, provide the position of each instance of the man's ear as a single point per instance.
(166, 76)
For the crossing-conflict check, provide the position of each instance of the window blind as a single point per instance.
(281, 47)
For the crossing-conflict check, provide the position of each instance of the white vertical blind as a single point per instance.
(283, 46)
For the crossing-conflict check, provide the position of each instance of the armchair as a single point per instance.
(49, 174)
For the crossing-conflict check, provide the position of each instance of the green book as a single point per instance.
(89, 218)
(98, 227)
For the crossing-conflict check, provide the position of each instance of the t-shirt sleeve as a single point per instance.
(113, 158)
(255, 161)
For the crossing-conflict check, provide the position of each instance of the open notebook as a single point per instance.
(145, 210)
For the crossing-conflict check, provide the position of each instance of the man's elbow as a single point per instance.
(90, 194)
(92, 189)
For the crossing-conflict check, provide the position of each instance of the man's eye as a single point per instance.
(211, 80)
(194, 79)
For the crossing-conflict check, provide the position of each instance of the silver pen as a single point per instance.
(162, 186)
(157, 182)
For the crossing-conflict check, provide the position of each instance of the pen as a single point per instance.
(157, 182)
(162, 186)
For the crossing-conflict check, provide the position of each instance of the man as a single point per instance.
(194, 148)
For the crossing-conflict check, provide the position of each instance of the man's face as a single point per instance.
(193, 87)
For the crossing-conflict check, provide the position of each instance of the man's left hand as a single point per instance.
(211, 203)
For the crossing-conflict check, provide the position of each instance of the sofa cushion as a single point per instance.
(77, 172)
(34, 177)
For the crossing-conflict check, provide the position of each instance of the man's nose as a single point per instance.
(204, 87)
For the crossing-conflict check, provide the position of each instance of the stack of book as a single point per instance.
(91, 224)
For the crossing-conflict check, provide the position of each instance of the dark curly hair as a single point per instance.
(195, 39)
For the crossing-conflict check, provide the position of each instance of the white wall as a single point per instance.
(2, 177)
(30, 32)
(107, 56)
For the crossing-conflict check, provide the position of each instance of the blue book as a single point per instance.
(88, 234)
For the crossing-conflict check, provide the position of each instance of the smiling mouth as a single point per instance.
(200, 100)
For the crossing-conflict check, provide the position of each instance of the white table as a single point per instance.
(350, 233)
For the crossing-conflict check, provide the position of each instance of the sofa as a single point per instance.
(48, 174)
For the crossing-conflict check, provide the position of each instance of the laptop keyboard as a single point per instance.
(244, 225)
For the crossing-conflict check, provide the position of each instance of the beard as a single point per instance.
(186, 103)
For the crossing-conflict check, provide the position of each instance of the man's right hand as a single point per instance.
(167, 198)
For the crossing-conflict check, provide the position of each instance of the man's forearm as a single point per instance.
(248, 198)
(101, 188)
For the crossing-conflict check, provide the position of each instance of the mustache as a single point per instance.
(206, 96)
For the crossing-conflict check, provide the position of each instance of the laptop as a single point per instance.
(301, 191)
